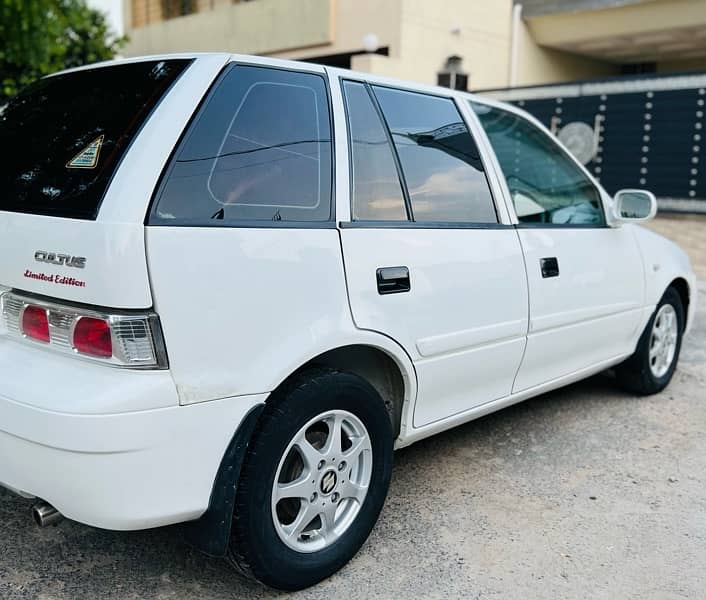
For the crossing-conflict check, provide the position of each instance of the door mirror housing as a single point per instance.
(630, 206)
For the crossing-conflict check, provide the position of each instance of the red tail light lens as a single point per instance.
(92, 337)
(35, 323)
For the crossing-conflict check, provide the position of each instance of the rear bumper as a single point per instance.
(121, 470)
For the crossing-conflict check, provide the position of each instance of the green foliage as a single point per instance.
(38, 37)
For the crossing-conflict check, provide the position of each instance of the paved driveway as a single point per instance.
(585, 492)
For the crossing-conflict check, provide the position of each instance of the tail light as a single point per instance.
(35, 323)
(93, 337)
(119, 338)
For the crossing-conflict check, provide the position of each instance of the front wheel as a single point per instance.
(651, 368)
(314, 480)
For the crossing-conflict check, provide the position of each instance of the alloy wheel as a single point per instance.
(322, 480)
(663, 341)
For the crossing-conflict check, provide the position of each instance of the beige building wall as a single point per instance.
(583, 31)
(352, 20)
(139, 13)
(261, 27)
(478, 32)
(286, 28)
(587, 44)
(537, 64)
(420, 35)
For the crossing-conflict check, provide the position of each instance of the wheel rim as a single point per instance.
(663, 340)
(322, 481)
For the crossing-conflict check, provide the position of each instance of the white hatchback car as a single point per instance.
(231, 285)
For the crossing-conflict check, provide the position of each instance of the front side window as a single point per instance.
(260, 150)
(545, 184)
(376, 190)
(440, 161)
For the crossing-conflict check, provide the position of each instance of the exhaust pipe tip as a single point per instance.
(44, 514)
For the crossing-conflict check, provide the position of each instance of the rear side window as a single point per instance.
(440, 160)
(377, 193)
(63, 137)
(260, 150)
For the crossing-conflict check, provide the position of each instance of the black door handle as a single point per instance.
(393, 280)
(550, 267)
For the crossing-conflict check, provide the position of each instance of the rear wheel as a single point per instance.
(651, 368)
(314, 480)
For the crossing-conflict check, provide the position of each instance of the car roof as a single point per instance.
(267, 60)
(309, 66)
(137, 59)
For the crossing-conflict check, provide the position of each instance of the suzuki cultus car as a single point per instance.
(230, 286)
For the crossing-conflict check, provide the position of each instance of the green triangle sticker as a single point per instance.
(88, 157)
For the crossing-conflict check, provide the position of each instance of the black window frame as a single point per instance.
(562, 150)
(391, 146)
(409, 223)
(152, 220)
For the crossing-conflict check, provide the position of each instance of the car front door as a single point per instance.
(427, 260)
(586, 283)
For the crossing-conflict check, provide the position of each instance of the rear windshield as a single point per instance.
(63, 137)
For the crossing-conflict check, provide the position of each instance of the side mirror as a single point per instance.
(634, 206)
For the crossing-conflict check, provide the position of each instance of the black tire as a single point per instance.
(635, 375)
(255, 548)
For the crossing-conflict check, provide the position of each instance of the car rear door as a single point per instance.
(428, 260)
(586, 282)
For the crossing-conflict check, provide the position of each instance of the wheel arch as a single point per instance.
(375, 358)
(378, 367)
(681, 285)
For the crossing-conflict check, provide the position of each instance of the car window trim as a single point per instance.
(390, 143)
(244, 224)
(395, 156)
(531, 225)
(496, 179)
(369, 224)
(572, 159)
(151, 218)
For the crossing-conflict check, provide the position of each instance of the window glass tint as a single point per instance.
(546, 186)
(63, 137)
(261, 149)
(440, 160)
(377, 194)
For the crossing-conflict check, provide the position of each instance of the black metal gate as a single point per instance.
(647, 132)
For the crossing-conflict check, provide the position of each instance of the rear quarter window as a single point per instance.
(63, 137)
(260, 150)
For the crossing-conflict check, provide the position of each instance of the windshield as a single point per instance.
(63, 137)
